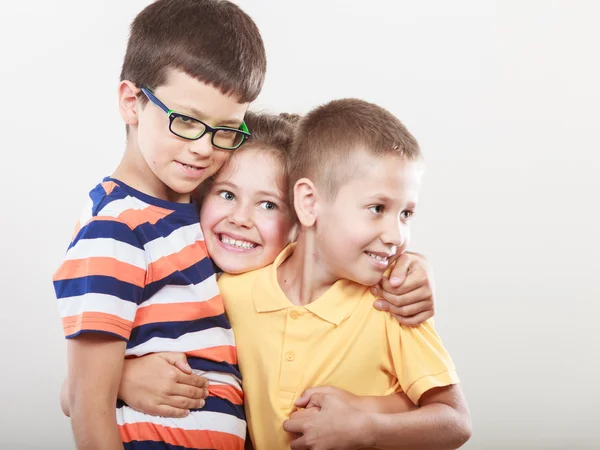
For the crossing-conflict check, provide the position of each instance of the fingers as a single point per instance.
(400, 270)
(411, 303)
(179, 402)
(294, 425)
(304, 399)
(414, 280)
(169, 411)
(299, 444)
(304, 413)
(192, 392)
(191, 380)
(415, 320)
(177, 359)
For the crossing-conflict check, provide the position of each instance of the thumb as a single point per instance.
(179, 360)
(399, 271)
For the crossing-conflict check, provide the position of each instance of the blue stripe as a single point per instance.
(174, 330)
(107, 333)
(165, 226)
(108, 229)
(222, 405)
(196, 273)
(98, 284)
(213, 366)
(100, 199)
(213, 404)
(152, 445)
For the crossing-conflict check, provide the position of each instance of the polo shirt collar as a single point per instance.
(335, 305)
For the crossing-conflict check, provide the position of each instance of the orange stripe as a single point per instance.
(108, 186)
(181, 260)
(143, 431)
(178, 312)
(150, 214)
(221, 353)
(110, 267)
(77, 228)
(230, 393)
(97, 321)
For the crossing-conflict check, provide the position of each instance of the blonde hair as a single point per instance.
(329, 135)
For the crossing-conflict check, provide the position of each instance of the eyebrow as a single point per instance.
(196, 114)
(234, 186)
(385, 199)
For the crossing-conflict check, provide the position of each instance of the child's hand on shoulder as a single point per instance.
(408, 292)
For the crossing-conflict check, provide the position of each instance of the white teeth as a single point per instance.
(377, 257)
(191, 167)
(237, 243)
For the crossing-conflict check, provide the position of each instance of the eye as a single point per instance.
(226, 195)
(268, 205)
(406, 214)
(376, 209)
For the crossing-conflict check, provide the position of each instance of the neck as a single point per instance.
(134, 171)
(303, 277)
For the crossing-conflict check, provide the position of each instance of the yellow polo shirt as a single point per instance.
(338, 340)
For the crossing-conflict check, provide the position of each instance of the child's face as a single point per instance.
(179, 164)
(244, 217)
(369, 220)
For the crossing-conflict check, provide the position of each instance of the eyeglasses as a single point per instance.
(187, 127)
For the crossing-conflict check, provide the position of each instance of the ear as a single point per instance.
(128, 102)
(305, 201)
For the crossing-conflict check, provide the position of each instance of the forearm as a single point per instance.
(431, 427)
(95, 426)
(387, 404)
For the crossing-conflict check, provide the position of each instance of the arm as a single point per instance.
(408, 292)
(394, 403)
(160, 384)
(442, 422)
(95, 363)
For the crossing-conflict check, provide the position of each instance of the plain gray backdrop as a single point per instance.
(504, 98)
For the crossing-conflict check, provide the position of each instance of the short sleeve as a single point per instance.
(420, 360)
(101, 280)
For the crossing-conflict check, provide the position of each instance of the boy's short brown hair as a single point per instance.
(327, 137)
(213, 41)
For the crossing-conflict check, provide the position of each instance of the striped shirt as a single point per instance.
(137, 268)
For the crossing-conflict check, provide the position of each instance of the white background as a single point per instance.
(504, 98)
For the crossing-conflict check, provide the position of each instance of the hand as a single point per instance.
(386, 404)
(304, 401)
(408, 293)
(328, 423)
(162, 384)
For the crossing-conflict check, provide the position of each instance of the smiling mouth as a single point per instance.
(236, 243)
(191, 167)
(378, 257)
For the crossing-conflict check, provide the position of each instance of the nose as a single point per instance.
(240, 215)
(202, 147)
(395, 233)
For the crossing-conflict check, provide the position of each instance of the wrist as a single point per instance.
(367, 429)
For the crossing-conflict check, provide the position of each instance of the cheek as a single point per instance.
(209, 214)
(274, 232)
(219, 160)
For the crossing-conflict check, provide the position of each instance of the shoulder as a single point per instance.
(239, 282)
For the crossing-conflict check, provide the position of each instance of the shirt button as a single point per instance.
(294, 314)
(290, 356)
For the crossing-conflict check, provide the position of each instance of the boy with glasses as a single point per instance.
(136, 278)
